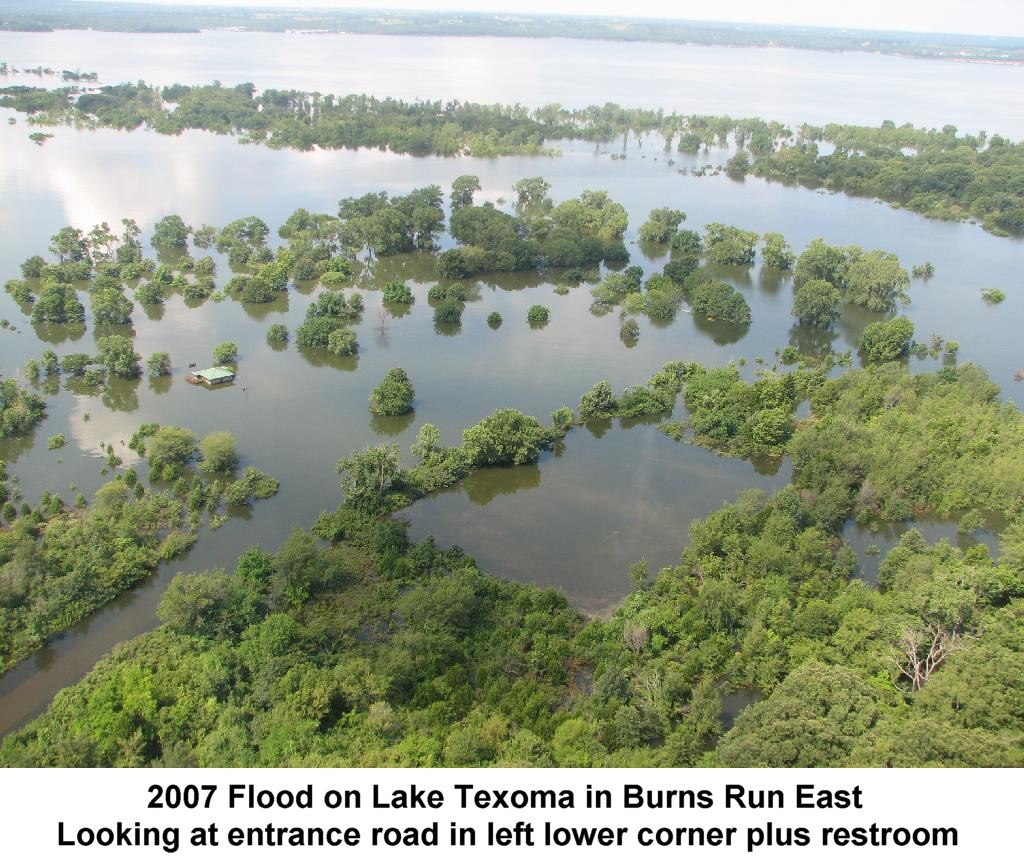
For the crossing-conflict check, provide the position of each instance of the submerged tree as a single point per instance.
(394, 395)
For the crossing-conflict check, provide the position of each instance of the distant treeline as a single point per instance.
(936, 172)
(44, 15)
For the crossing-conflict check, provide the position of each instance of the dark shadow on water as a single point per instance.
(811, 340)
(598, 427)
(483, 486)
(53, 333)
(161, 385)
(448, 329)
(722, 333)
(153, 312)
(397, 311)
(391, 426)
(770, 280)
(738, 275)
(319, 358)
(121, 395)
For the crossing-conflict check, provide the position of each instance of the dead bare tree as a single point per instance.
(918, 654)
(383, 335)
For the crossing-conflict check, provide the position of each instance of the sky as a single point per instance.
(994, 17)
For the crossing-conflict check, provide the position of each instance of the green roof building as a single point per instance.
(211, 376)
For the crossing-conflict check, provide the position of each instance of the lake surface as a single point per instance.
(608, 497)
(777, 83)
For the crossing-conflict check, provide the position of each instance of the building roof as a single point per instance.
(215, 373)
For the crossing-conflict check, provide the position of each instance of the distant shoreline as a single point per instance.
(45, 16)
(904, 55)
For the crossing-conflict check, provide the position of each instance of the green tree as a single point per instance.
(538, 314)
(598, 402)
(58, 303)
(368, 476)
(170, 232)
(463, 188)
(505, 437)
(886, 341)
(532, 192)
(728, 245)
(342, 342)
(219, 451)
(69, 245)
(394, 395)
(661, 225)
(75, 364)
(721, 301)
(876, 281)
(449, 310)
(812, 720)
(277, 333)
(110, 307)
(117, 354)
(170, 446)
(776, 252)
(32, 268)
(816, 303)
(225, 353)
(396, 292)
(159, 364)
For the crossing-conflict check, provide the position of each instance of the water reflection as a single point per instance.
(391, 426)
(722, 333)
(871, 543)
(811, 340)
(484, 485)
(620, 492)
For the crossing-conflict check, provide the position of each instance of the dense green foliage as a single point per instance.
(776, 252)
(728, 245)
(158, 365)
(720, 301)
(373, 651)
(396, 292)
(117, 354)
(935, 172)
(20, 410)
(394, 395)
(219, 452)
(58, 303)
(874, 280)
(538, 314)
(887, 341)
(59, 566)
(816, 303)
(277, 333)
(932, 171)
(575, 232)
(661, 225)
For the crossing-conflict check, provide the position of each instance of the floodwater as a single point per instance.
(612, 494)
(779, 83)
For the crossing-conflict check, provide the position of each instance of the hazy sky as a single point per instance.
(999, 17)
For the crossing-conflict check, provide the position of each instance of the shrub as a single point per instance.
(225, 353)
(396, 292)
(887, 341)
(538, 314)
(342, 342)
(219, 452)
(277, 333)
(394, 394)
(448, 310)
